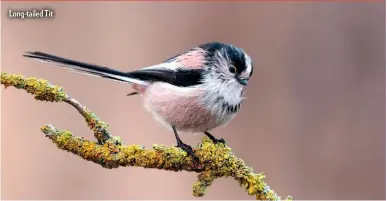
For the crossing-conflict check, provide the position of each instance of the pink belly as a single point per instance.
(181, 108)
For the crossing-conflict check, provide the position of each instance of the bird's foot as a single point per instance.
(189, 150)
(215, 140)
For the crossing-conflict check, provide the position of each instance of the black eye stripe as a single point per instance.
(238, 58)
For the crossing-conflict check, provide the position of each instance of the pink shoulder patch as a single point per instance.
(192, 59)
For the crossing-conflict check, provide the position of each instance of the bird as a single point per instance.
(195, 91)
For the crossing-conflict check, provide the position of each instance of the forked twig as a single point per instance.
(215, 160)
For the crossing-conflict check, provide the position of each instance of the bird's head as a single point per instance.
(227, 63)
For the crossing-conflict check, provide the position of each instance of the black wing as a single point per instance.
(180, 77)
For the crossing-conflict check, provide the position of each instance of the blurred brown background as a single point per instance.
(314, 120)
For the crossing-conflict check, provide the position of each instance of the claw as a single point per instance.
(189, 150)
(215, 140)
(221, 140)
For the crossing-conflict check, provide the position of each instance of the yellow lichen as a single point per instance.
(42, 89)
(99, 127)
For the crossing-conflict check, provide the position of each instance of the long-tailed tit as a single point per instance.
(195, 91)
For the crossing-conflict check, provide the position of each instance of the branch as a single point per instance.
(215, 160)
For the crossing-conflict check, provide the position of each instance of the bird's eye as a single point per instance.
(232, 69)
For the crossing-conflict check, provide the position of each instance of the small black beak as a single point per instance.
(243, 81)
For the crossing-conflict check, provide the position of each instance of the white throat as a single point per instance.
(223, 98)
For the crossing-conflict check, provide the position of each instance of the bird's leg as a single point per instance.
(133, 93)
(214, 140)
(184, 146)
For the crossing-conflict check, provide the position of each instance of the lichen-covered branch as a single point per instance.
(215, 160)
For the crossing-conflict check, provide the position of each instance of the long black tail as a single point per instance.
(81, 67)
